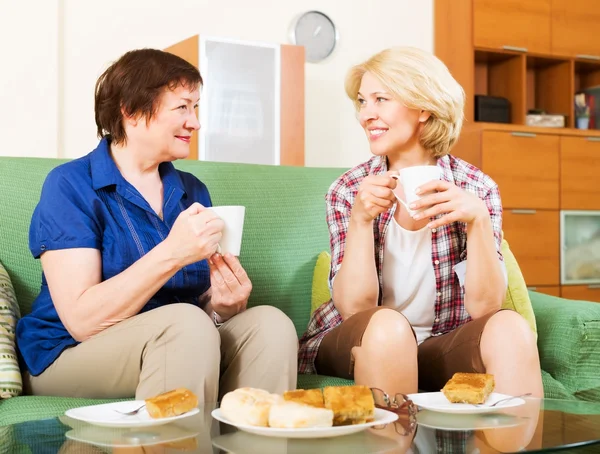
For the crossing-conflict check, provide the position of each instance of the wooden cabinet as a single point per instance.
(580, 173)
(581, 292)
(525, 166)
(533, 236)
(256, 116)
(552, 290)
(524, 25)
(574, 27)
(536, 54)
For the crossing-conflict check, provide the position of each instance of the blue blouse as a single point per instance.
(86, 203)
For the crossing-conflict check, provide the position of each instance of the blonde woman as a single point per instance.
(416, 298)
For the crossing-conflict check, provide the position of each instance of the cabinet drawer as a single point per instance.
(528, 22)
(552, 290)
(579, 173)
(581, 292)
(525, 166)
(533, 238)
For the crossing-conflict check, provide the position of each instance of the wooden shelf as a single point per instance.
(592, 133)
(587, 74)
(502, 74)
(537, 54)
(550, 86)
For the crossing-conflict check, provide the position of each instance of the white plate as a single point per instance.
(105, 415)
(437, 420)
(438, 402)
(381, 417)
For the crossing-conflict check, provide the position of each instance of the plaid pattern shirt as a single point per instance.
(449, 247)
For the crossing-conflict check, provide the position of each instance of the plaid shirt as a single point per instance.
(449, 247)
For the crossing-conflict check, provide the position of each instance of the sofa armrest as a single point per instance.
(569, 342)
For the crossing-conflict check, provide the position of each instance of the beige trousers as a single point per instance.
(177, 346)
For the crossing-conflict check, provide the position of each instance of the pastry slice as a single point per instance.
(469, 388)
(171, 403)
(350, 404)
(312, 397)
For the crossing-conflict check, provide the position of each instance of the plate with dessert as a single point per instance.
(466, 393)
(162, 409)
(312, 413)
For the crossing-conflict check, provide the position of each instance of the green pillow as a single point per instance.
(10, 376)
(517, 296)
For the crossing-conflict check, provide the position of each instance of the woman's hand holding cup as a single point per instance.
(375, 196)
(195, 235)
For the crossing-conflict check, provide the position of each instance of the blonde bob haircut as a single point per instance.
(419, 80)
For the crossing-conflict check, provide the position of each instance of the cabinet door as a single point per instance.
(525, 166)
(513, 23)
(581, 292)
(533, 237)
(575, 27)
(579, 173)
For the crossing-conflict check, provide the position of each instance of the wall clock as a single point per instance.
(317, 33)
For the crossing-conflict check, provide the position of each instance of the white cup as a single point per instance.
(233, 217)
(411, 178)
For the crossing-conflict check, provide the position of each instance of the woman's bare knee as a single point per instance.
(507, 328)
(388, 327)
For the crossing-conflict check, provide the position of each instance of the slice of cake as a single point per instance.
(350, 404)
(469, 388)
(312, 397)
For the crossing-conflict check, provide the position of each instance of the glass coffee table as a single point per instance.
(541, 425)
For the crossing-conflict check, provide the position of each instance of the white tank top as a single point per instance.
(408, 277)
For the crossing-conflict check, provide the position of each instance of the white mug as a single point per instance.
(411, 178)
(233, 217)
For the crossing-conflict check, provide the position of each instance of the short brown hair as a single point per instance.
(134, 83)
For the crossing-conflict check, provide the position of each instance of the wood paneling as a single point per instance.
(468, 146)
(579, 173)
(575, 27)
(453, 44)
(292, 105)
(534, 240)
(581, 292)
(525, 168)
(516, 23)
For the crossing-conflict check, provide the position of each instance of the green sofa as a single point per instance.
(284, 232)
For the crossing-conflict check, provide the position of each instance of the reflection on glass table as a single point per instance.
(541, 425)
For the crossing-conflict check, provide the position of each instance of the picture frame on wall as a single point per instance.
(580, 247)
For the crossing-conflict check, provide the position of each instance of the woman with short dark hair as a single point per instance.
(134, 298)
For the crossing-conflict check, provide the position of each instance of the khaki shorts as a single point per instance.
(439, 357)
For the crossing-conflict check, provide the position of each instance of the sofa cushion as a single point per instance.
(569, 342)
(517, 296)
(10, 376)
(320, 284)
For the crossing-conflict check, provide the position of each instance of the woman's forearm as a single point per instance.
(356, 285)
(485, 284)
(121, 296)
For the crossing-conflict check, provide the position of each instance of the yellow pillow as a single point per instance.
(517, 297)
(320, 283)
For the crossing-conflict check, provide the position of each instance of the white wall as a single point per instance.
(93, 36)
(29, 78)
